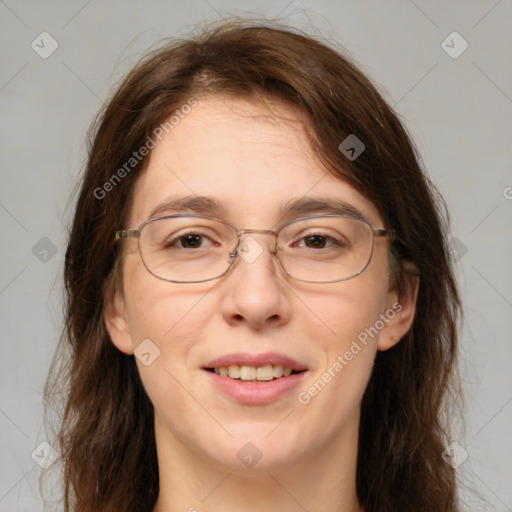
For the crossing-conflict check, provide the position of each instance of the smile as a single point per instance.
(252, 373)
(255, 379)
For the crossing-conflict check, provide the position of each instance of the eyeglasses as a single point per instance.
(188, 248)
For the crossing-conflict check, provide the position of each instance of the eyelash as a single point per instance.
(171, 242)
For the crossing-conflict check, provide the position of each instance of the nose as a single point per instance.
(255, 291)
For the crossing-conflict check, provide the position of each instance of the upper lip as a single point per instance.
(257, 360)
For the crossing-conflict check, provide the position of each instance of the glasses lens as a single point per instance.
(187, 249)
(325, 249)
(319, 249)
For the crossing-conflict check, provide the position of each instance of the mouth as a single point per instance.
(255, 379)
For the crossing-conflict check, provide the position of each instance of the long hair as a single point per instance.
(105, 433)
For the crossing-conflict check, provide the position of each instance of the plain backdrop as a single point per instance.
(456, 102)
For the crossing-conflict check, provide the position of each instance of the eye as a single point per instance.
(318, 241)
(189, 240)
(315, 241)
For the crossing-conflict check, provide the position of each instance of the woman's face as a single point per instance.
(252, 164)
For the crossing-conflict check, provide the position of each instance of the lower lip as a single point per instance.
(256, 393)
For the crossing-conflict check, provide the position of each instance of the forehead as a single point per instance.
(252, 163)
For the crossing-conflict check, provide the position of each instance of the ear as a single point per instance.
(399, 314)
(116, 322)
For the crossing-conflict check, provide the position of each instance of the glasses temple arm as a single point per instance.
(124, 234)
(384, 232)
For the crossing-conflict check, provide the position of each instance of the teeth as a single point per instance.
(246, 372)
(278, 371)
(265, 372)
(234, 371)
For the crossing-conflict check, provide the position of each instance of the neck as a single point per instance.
(323, 481)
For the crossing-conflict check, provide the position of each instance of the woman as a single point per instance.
(261, 313)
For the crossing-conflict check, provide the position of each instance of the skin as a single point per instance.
(251, 161)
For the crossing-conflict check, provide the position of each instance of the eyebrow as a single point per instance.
(308, 205)
(295, 207)
(190, 204)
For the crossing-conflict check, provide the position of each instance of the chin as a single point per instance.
(252, 448)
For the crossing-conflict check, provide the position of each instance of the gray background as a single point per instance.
(458, 110)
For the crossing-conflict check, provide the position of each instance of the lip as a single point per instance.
(255, 393)
(245, 358)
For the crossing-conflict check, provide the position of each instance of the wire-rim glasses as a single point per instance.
(324, 248)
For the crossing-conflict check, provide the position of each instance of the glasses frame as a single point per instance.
(125, 234)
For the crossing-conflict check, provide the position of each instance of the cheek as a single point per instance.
(165, 320)
(338, 381)
(346, 350)
(343, 311)
(172, 321)
(159, 310)
(349, 315)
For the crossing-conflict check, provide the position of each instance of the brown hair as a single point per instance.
(105, 435)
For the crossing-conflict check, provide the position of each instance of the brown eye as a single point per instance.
(315, 241)
(190, 241)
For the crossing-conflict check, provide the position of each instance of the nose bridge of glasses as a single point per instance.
(259, 231)
(244, 246)
(242, 232)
